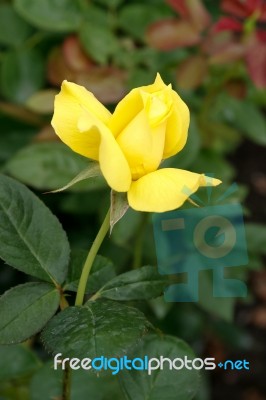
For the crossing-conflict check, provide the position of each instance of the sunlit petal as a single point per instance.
(69, 108)
(165, 189)
(113, 163)
(177, 127)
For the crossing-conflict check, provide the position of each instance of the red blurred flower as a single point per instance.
(171, 33)
(245, 8)
(193, 11)
(186, 31)
(256, 58)
(232, 38)
(179, 6)
(227, 24)
(251, 37)
(70, 62)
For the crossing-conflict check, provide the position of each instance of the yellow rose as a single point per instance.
(147, 126)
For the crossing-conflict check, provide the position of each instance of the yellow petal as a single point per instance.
(87, 100)
(159, 83)
(142, 145)
(113, 163)
(125, 111)
(70, 104)
(177, 127)
(158, 105)
(156, 86)
(131, 105)
(165, 189)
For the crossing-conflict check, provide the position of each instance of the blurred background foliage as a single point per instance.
(214, 54)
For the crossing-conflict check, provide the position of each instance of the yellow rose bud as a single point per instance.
(147, 126)
(145, 134)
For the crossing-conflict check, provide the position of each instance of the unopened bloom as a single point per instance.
(149, 125)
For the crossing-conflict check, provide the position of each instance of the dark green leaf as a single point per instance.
(102, 271)
(90, 386)
(161, 384)
(98, 41)
(49, 166)
(22, 74)
(31, 238)
(205, 388)
(14, 30)
(142, 283)
(100, 328)
(47, 384)
(17, 361)
(25, 309)
(51, 15)
(13, 136)
(95, 15)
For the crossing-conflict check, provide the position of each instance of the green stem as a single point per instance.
(67, 383)
(90, 258)
(66, 393)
